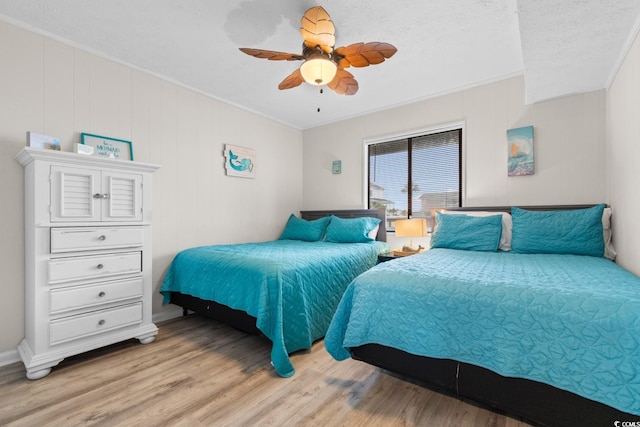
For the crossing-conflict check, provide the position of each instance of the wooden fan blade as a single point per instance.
(292, 80)
(364, 54)
(344, 83)
(317, 29)
(272, 55)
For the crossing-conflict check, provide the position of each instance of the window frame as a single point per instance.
(412, 134)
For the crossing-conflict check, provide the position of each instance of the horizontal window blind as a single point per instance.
(411, 177)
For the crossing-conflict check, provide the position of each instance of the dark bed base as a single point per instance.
(531, 401)
(236, 318)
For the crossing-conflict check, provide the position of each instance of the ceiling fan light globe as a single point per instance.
(318, 71)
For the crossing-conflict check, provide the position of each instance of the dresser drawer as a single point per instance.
(94, 323)
(78, 297)
(92, 238)
(94, 266)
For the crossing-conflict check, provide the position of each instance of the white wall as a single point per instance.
(623, 136)
(51, 88)
(569, 148)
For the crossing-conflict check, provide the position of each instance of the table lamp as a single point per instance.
(415, 227)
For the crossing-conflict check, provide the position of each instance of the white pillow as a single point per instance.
(374, 232)
(609, 250)
(507, 225)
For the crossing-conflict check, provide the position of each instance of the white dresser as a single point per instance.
(87, 255)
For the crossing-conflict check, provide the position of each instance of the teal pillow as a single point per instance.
(471, 233)
(350, 230)
(301, 229)
(574, 231)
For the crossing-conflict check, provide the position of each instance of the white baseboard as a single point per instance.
(12, 356)
(167, 314)
(9, 357)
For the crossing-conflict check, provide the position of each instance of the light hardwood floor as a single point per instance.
(199, 372)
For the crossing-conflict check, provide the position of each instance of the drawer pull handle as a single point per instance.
(101, 196)
(101, 294)
(102, 237)
(105, 196)
(100, 266)
(102, 322)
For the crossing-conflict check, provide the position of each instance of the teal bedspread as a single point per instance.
(291, 287)
(569, 321)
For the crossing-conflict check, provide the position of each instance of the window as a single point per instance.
(412, 176)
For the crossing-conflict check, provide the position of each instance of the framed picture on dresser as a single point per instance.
(105, 146)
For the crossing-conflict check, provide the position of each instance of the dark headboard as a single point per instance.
(529, 208)
(353, 213)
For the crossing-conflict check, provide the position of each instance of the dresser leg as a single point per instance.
(36, 375)
(147, 340)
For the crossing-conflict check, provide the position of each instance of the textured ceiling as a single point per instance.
(561, 46)
(574, 46)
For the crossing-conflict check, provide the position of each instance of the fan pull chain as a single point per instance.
(320, 92)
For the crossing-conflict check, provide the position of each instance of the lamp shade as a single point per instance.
(415, 227)
(318, 71)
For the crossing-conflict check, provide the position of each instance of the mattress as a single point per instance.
(569, 321)
(291, 287)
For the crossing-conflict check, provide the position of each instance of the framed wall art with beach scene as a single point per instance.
(520, 151)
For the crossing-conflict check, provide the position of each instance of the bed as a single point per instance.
(286, 289)
(537, 331)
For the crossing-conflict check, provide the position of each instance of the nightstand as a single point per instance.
(395, 255)
(387, 257)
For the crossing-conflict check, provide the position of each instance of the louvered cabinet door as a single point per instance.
(122, 198)
(72, 194)
(88, 195)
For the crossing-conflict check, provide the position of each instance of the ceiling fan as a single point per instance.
(324, 65)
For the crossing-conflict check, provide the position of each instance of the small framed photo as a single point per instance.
(336, 167)
(37, 140)
(108, 147)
